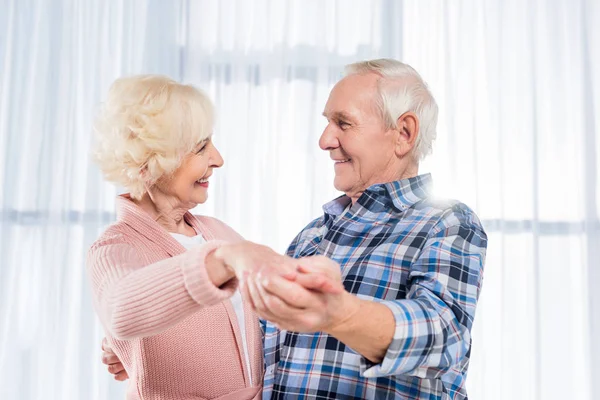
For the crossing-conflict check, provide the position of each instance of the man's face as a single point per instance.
(356, 136)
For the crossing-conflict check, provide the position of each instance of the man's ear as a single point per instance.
(407, 126)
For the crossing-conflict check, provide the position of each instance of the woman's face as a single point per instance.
(189, 183)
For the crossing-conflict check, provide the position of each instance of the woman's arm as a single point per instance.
(135, 300)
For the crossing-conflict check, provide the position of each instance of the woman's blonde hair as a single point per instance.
(145, 128)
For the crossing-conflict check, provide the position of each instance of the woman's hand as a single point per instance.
(115, 367)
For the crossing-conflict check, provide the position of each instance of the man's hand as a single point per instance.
(315, 301)
(115, 366)
(365, 326)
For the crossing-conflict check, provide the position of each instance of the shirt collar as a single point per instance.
(337, 206)
(402, 194)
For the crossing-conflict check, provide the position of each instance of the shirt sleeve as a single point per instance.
(433, 323)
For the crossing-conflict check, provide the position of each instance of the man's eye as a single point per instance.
(343, 124)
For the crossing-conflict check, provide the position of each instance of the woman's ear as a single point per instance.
(144, 173)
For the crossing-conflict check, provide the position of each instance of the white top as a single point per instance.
(236, 300)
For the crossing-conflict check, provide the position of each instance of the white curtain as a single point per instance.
(57, 59)
(519, 92)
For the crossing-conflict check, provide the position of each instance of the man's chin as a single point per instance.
(340, 185)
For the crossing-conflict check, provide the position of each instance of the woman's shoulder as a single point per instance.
(218, 228)
(117, 234)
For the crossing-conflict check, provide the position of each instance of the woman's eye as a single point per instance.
(201, 149)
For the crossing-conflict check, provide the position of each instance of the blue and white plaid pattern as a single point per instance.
(421, 257)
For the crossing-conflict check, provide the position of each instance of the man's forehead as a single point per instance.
(351, 93)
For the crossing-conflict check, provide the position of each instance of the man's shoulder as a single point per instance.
(309, 230)
(446, 213)
(313, 225)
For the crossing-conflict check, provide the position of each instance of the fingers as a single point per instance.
(258, 302)
(289, 269)
(246, 293)
(271, 307)
(116, 368)
(118, 371)
(110, 358)
(319, 282)
(281, 265)
(318, 263)
(278, 308)
(311, 280)
(255, 296)
(121, 376)
(291, 293)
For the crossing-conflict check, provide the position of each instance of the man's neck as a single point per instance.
(410, 172)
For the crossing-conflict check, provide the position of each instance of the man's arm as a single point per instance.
(368, 329)
(423, 335)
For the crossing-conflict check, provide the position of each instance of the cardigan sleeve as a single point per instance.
(136, 300)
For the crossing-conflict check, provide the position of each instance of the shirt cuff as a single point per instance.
(368, 369)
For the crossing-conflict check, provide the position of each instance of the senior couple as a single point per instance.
(375, 299)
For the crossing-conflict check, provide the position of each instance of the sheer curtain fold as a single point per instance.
(519, 97)
(57, 61)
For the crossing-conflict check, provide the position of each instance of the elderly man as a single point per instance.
(409, 266)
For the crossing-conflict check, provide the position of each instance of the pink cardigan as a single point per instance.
(175, 332)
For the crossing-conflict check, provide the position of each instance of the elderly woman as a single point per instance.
(165, 295)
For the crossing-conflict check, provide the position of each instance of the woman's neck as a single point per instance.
(168, 212)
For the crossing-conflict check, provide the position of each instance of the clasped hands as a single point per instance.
(301, 295)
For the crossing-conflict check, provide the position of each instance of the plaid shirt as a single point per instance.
(421, 257)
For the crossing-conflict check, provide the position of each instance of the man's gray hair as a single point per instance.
(401, 89)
